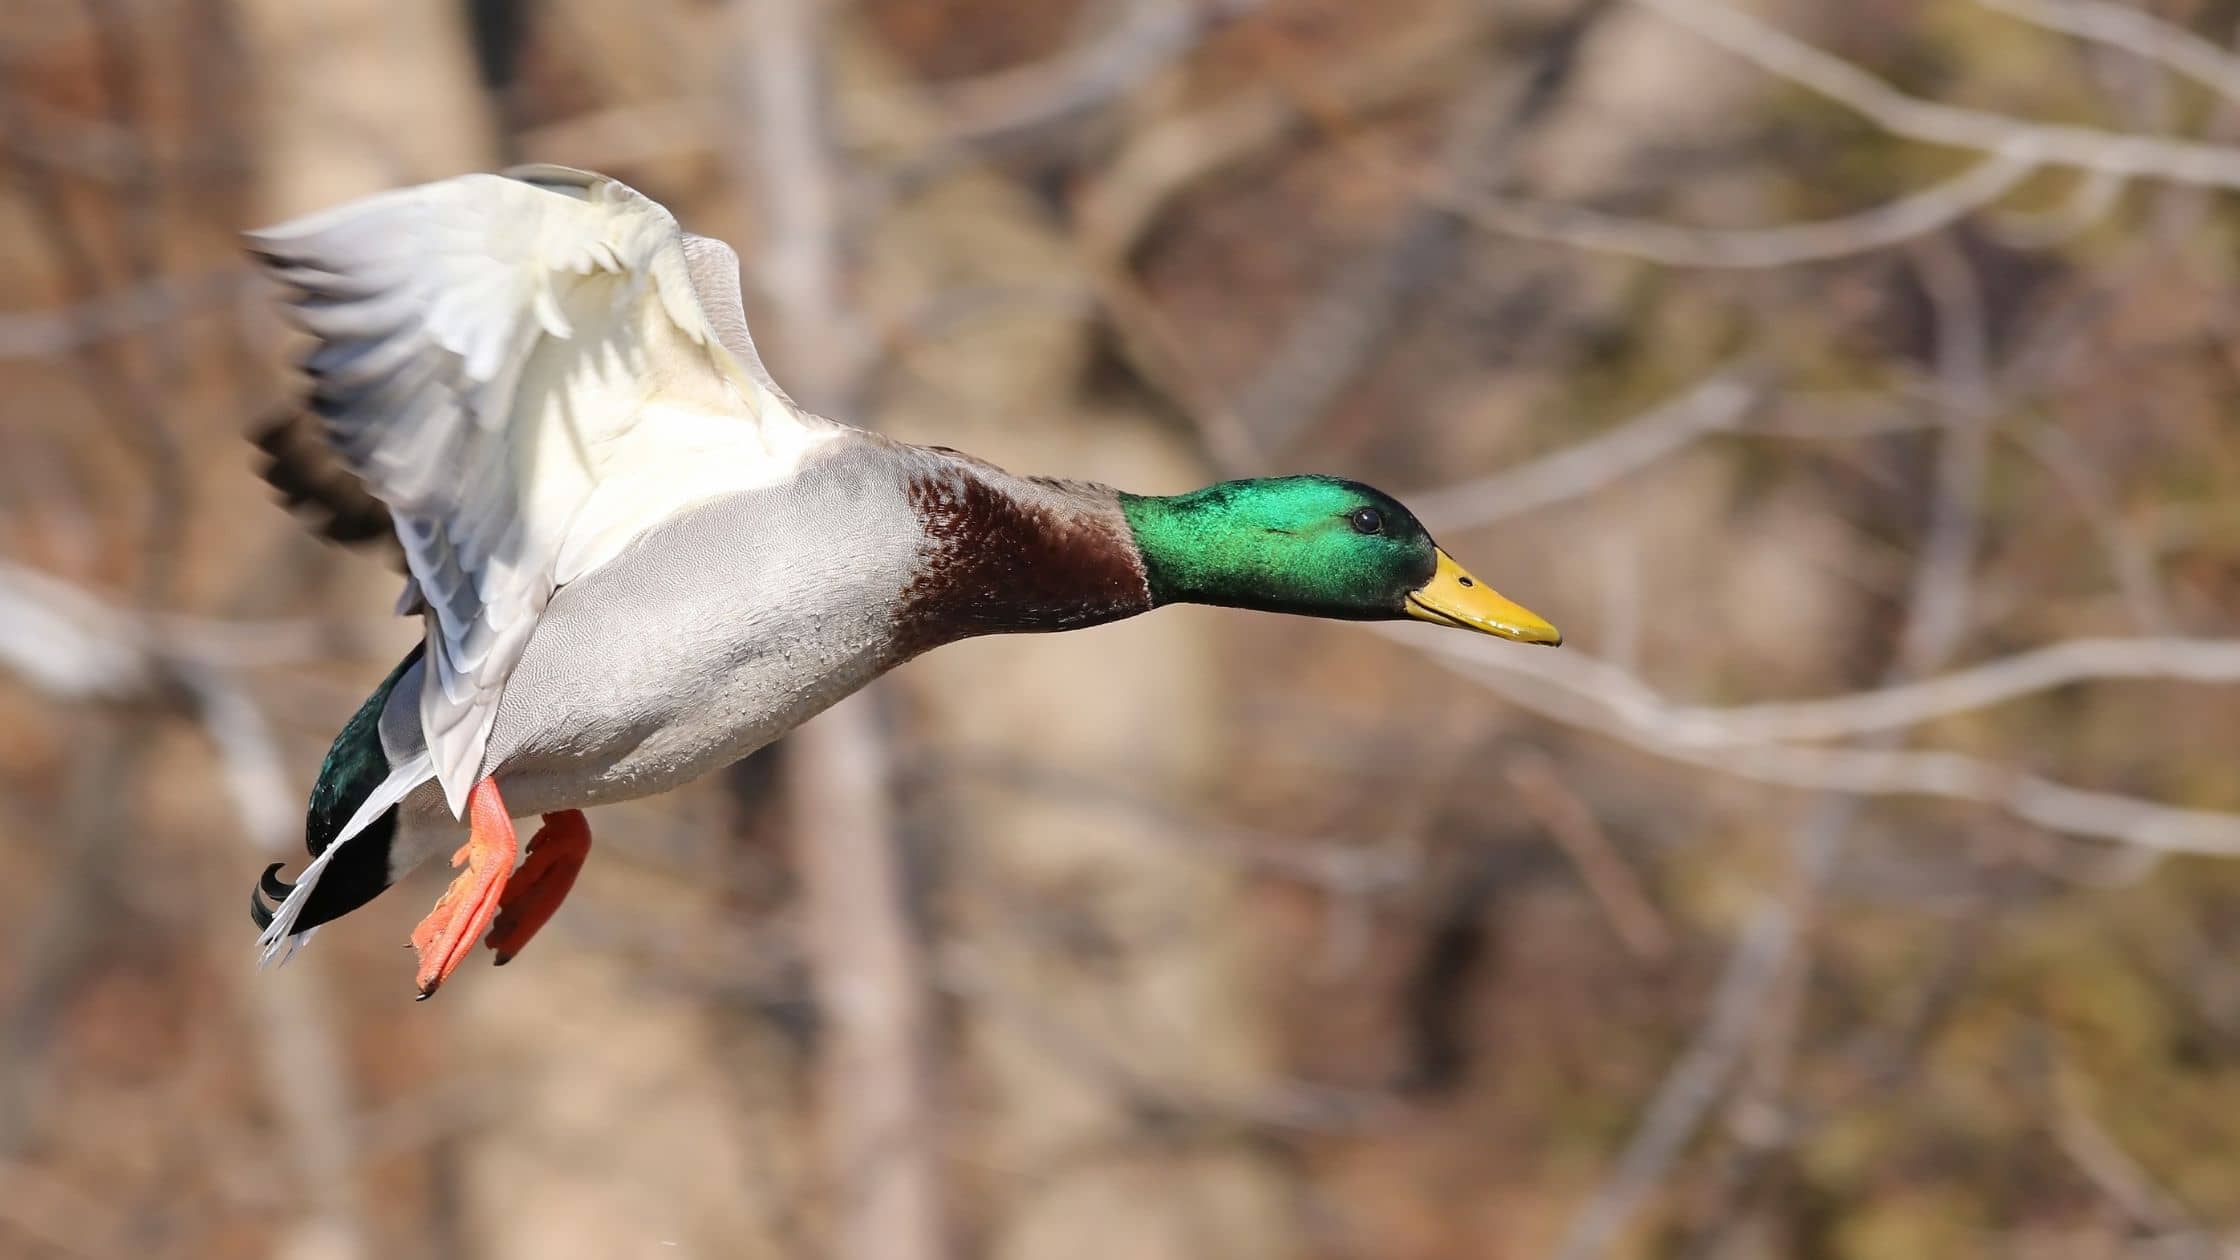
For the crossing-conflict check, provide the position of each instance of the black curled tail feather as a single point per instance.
(355, 765)
(270, 891)
(358, 874)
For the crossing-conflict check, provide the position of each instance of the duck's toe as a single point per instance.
(466, 908)
(556, 855)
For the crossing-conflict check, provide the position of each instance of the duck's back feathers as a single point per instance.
(530, 371)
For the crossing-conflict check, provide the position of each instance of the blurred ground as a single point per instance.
(1855, 384)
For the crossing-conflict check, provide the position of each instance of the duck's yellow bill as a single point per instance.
(1453, 598)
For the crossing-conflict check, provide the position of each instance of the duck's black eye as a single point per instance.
(1366, 520)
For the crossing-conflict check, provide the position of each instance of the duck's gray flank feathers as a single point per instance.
(717, 632)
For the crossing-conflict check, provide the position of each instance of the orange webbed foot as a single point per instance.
(556, 854)
(466, 908)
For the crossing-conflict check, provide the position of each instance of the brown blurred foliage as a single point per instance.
(1855, 383)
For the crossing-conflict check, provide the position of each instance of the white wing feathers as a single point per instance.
(531, 370)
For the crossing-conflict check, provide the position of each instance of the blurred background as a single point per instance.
(1858, 384)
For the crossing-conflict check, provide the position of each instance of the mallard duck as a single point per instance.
(637, 560)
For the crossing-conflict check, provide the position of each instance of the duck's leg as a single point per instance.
(466, 908)
(556, 853)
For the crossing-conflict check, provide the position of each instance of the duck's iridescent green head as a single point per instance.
(1316, 546)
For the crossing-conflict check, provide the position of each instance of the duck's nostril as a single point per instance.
(1468, 582)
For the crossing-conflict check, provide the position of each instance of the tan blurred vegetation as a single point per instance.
(1856, 384)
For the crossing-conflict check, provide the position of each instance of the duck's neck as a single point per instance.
(1003, 554)
(1192, 553)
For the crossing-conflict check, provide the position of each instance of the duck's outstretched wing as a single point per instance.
(527, 370)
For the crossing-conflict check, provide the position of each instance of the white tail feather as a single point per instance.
(280, 939)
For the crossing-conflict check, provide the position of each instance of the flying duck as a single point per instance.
(637, 560)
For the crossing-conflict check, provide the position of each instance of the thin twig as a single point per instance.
(1690, 1088)
(1541, 792)
(2120, 1177)
(1340, 332)
(2095, 197)
(124, 398)
(1166, 159)
(2131, 559)
(1290, 1107)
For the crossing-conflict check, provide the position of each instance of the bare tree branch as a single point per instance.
(1145, 37)
(1909, 217)
(1759, 741)
(74, 643)
(45, 334)
(1633, 716)
(1166, 159)
(1717, 404)
(77, 646)
(126, 400)
(1935, 624)
(868, 973)
(2137, 32)
(1893, 708)
(1931, 122)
